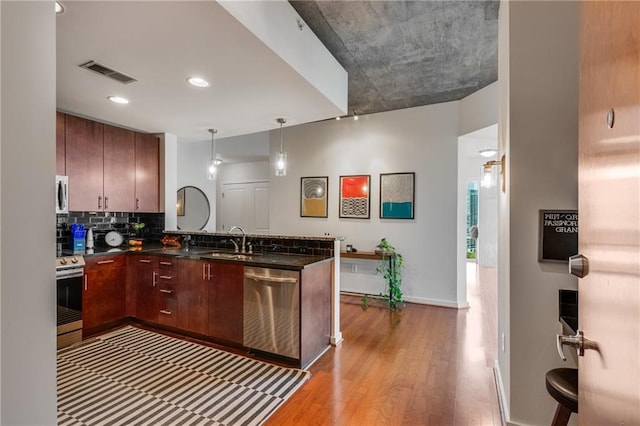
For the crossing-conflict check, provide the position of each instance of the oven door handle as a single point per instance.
(69, 273)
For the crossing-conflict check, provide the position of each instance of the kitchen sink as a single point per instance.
(233, 255)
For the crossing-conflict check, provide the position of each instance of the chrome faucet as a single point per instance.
(244, 237)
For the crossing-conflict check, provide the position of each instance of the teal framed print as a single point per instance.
(397, 195)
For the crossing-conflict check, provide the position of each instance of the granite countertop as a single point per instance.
(261, 259)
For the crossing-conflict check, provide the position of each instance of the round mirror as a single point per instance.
(193, 209)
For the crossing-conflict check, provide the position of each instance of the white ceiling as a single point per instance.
(162, 44)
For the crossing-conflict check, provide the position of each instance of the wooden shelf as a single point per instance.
(369, 255)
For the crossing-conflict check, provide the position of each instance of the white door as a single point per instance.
(247, 205)
(609, 207)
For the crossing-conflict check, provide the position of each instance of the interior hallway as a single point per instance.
(423, 366)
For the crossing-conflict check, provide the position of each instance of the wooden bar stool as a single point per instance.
(562, 385)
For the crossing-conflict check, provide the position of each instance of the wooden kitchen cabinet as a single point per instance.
(109, 168)
(146, 287)
(60, 144)
(119, 169)
(147, 172)
(167, 285)
(226, 291)
(104, 292)
(193, 297)
(210, 299)
(84, 165)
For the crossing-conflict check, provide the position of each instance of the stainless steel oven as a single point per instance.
(69, 281)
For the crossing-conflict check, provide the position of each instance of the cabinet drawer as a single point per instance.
(105, 262)
(167, 314)
(167, 289)
(151, 261)
(167, 264)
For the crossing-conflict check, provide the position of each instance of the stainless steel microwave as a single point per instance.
(62, 194)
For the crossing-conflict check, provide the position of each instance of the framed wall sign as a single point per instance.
(354, 196)
(397, 195)
(313, 196)
(558, 235)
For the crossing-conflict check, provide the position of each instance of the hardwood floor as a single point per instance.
(423, 366)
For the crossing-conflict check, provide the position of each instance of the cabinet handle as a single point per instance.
(166, 277)
(153, 281)
(209, 273)
(104, 262)
(162, 311)
(204, 274)
(137, 203)
(144, 261)
(106, 202)
(162, 290)
(99, 201)
(86, 282)
(166, 263)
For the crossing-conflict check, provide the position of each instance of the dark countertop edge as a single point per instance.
(288, 261)
(226, 234)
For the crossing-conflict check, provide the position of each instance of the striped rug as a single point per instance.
(137, 377)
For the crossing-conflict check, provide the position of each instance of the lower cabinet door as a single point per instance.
(104, 292)
(225, 302)
(192, 299)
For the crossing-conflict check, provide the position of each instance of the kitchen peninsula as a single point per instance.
(210, 292)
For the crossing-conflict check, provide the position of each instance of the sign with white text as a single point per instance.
(558, 235)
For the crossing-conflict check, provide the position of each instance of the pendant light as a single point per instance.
(281, 156)
(212, 171)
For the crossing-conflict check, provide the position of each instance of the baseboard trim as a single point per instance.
(502, 396)
(418, 300)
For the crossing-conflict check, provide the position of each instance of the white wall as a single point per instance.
(27, 227)
(539, 135)
(421, 140)
(169, 179)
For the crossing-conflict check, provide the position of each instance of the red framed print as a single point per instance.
(354, 196)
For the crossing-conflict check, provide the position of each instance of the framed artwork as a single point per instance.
(354, 196)
(313, 196)
(397, 195)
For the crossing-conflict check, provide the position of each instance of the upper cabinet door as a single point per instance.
(60, 145)
(147, 173)
(119, 169)
(84, 164)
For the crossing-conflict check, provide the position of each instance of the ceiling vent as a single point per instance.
(108, 72)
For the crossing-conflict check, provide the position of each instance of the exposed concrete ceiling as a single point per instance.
(402, 54)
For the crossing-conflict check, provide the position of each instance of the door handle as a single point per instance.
(578, 342)
(578, 265)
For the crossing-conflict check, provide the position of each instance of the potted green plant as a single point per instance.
(390, 267)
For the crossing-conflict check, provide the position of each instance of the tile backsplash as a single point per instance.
(103, 222)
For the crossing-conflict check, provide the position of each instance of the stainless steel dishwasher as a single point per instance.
(272, 311)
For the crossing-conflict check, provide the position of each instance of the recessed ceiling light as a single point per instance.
(198, 82)
(118, 99)
(59, 7)
(489, 152)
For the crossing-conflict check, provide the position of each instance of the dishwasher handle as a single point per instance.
(267, 278)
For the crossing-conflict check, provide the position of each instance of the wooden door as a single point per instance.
(225, 302)
(147, 173)
(60, 144)
(609, 207)
(84, 155)
(119, 169)
(193, 295)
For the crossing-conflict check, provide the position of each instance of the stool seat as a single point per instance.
(562, 385)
